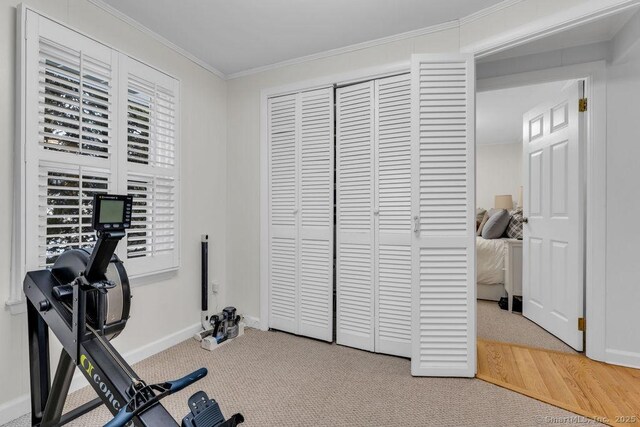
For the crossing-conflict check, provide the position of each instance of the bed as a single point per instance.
(490, 270)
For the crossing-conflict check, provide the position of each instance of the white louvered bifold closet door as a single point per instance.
(355, 184)
(300, 136)
(283, 229)
(393, 216)
(315, 294)
(443, 291)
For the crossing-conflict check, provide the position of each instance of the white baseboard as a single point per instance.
(15, 408)
(252, 322)
(22, 405)
(623, 358)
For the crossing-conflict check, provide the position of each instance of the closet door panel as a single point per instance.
(316, 148)
(393, 219)
(443, 161)
(283, 235)
(355, 222)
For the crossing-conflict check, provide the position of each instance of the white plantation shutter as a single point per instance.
(64, 208)
(316, 214)
(152, 230)
(393, 222)
(283, 189)
(94, 120)
(300, 138)
(355, 222)
(443, 160)
(70, 122)
(149, 105)
(75, 100)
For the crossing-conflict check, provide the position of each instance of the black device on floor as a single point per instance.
(517, 304)
(85, 300)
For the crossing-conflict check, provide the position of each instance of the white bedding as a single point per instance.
(490, 261)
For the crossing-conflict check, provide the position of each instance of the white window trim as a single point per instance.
(16, 300)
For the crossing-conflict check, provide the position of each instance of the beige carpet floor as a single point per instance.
(277, 379)
(499, 325)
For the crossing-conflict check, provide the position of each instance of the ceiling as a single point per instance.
(499, 112)
(239, 35)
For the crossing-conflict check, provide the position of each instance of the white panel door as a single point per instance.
(283, 219)
(553, 278)
(355, 222)
(443, 205)
(315, 293)
(392, 214)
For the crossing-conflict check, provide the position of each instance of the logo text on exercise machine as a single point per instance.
(88, 368)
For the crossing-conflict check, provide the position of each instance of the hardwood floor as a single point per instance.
(607, 393)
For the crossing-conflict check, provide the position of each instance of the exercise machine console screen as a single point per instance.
(84, 298)
(112, 212)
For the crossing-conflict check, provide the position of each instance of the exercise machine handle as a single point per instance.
(139, 402)
(177, 385)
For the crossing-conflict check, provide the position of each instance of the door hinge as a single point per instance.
(582, 105)
(582, 324)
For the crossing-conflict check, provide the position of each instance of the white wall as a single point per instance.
(166, 307)
(243, 152)
(498, 171)
(623, 204)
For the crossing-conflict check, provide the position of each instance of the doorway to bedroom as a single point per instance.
(528, 188)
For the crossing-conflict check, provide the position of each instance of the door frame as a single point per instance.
(594, 75)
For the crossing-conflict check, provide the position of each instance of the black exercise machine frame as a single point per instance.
(109, 375)
(71, 299)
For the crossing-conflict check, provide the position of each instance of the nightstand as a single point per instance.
(513, 269)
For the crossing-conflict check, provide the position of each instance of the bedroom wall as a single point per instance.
(623, 204)
(165, 309)
(243, 203)
(498, 171)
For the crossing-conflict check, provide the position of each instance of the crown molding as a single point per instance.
(138, 26)
(488, 11)
(588, 11)
(346, 49)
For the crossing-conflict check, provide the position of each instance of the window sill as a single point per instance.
(16, 307)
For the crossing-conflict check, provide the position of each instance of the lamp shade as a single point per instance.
(504, 201)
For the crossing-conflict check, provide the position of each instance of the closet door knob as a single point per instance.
(525, 220)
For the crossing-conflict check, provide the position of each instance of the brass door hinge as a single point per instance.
(582, 324)
(582, 105)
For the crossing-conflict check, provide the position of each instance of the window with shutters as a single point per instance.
(93, 120)
(149, 172)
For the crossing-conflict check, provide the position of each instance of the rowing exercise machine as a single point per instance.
(85, 300)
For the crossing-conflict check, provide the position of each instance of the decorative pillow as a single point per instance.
(514, 229)
(479, 216)
(485, 218)
(496, 225)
